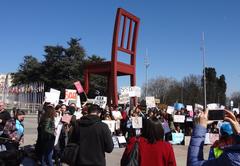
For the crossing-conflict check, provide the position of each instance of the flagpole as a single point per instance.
(204, 72)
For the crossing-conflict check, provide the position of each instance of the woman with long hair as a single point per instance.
(46, 136)
(152, 148)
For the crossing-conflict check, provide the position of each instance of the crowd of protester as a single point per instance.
(62, 124)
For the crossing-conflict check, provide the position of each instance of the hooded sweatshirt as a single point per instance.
(94, 139)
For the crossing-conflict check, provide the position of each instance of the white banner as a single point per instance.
(179, 118)
(150, 101)
(101, 101)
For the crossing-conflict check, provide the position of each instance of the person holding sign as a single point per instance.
(230, 154)
(93, 137)
(153, 150)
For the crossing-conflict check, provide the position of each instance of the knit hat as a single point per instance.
(226, 129)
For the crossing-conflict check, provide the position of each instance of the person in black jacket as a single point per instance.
(94, 138)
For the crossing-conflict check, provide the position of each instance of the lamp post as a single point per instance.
(147, 64)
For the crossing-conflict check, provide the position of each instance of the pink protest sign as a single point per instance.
(78, 87)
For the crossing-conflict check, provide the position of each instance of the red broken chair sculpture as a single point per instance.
(112, 69)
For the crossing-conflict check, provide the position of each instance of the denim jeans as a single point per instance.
(47, 158)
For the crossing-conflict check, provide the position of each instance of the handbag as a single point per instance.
(133, 157)
(70, 153)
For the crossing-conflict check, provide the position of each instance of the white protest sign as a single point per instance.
(122, 139)
(124, 99)
(137, 122)
(170, 109)
(150, 101)
(70, 94)
(212, 106)
(189, 108)
(78, 104)
(179, 118)
(132, 91)
(52, 96)
(101, 101)
(198, 107)
(58, 132)
(111, 124)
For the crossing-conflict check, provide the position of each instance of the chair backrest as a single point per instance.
(120, 43)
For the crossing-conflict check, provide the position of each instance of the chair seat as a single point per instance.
(104, 68)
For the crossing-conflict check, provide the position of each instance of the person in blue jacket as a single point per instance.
(230, 155)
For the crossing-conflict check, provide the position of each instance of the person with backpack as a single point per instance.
(149, 148)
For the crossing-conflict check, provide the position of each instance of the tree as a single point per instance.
(28, 71)
(60, 68)
(235, 97)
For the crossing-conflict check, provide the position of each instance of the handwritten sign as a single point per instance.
(131, 91)
(189, 108)
(101, 101)
(137, 122)
(111, 124)
(179, 118)
(70, 94)
(170, 109)
(150, 101)
(210, 138)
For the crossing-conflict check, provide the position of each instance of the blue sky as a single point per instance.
(170, 30)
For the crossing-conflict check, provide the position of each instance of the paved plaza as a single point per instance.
(113, 159)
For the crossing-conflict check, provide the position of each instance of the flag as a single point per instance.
(79, 87)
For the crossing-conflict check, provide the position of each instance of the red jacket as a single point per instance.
(157, 154)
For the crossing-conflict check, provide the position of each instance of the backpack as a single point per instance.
(133, 157)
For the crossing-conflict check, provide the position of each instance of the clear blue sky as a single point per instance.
(170, 30)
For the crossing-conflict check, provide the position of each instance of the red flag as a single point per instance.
(78, 87)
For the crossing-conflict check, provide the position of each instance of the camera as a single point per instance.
(216, 114)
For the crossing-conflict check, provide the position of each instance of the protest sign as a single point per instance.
(157, 101)
(137, 122)
(111, 124)
(210, 138)
(122, 139)
(132, 91)
(187, 140)
(179, 118)
(78, 86)
(178, 106)
(115, 142)
(189, 108)
(66, 118)
(58, 132)
(170, 109)
(52, 96)
(198, 107)
(101, 101)
(177, 138)
(78, 103)
(124, 99)
(212, 106)
(70, 94)
(150, 101)
(189, 119)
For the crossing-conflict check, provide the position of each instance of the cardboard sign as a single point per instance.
(79, 87)
(189, 108)
(66, 118)
(177, 138)
(122, 140)
(137, 122)
(70, 94)
(198, 107)
(111, 124)
(170, 109)
(132, 91)
(115, 142)
(101, 101)
(179, 118)
(187, 140)
(52, 96)
(150, 101)
(124, 99)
